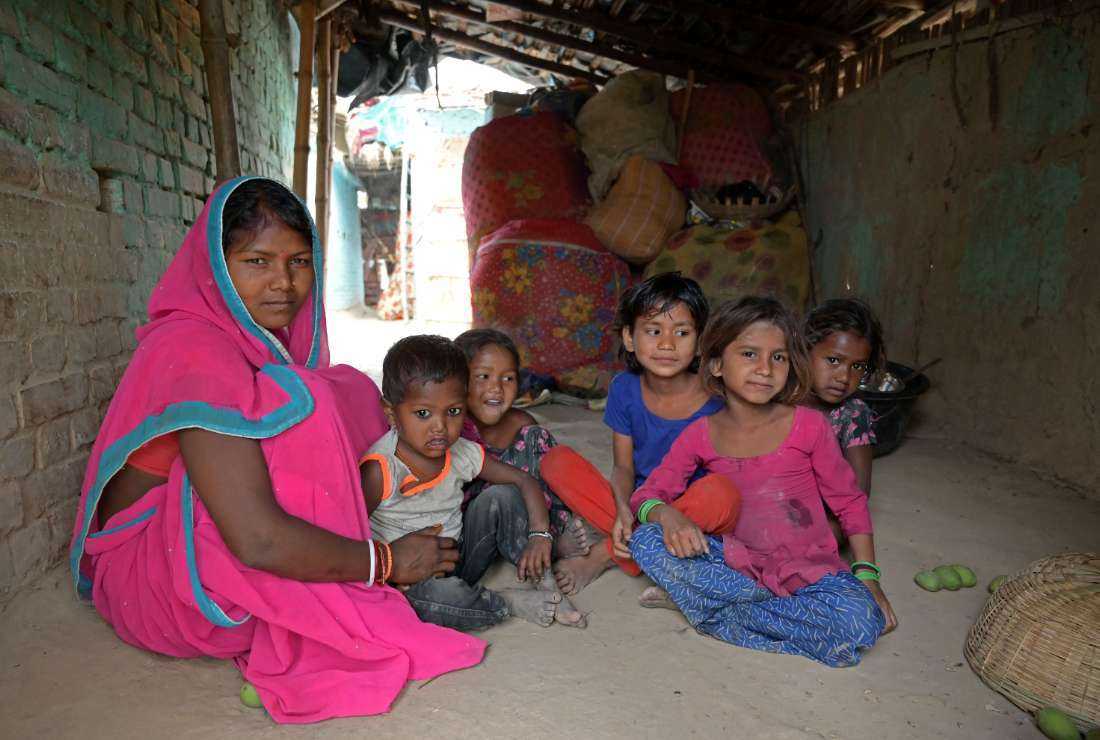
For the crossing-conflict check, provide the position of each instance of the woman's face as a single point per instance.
(273, 274)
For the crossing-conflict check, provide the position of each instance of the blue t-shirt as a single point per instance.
(626, 413)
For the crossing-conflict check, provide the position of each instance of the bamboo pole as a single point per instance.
(324, 129)
(215, 54)
(307, 28)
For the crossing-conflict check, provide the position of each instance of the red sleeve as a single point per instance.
(669, 480)
(836, 480)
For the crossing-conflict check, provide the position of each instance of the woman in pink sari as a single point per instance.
(222, 513)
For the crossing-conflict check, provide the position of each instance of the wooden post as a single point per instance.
(215, 54)
(307, 28)
(324, 128)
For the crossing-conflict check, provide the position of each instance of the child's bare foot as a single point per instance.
(573, 540)
(534, 605)
(575, 573)
(656, 597)
(565, 613)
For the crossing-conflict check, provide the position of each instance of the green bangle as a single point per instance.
(647, 506)
(867, 575)
(865, 565)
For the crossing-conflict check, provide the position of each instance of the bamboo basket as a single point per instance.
(1038, 639)
(755, 210)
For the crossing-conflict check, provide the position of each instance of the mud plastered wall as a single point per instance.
(972, 229)
(106, 157)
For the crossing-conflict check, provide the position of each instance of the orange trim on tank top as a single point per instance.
(429, 484)
(387, 476)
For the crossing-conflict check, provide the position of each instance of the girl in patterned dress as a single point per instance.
(509, 434)
(776, 582)
(845, 343)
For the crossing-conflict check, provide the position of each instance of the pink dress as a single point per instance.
(782, 539)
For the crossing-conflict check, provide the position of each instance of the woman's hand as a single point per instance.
(683, 538)
(535, 559)
(421, 555)
(884, 604)
(620, 533)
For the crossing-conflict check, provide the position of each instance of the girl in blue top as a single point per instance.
(659, 321)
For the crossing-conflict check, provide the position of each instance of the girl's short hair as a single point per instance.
(256, 204)
(422, 358)
(473, 341)
(657, 295)
(731, 319)
(846, 314)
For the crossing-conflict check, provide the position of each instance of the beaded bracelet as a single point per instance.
(388, 571)
(647, 506)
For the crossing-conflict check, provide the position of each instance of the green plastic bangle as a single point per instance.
(866, 575)
(646, 507)
(865, 565)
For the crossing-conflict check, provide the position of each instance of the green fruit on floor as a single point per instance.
(928, 580)
(949, 579)
(966, 576)
(996, 583)
(1056, 725)
(249, 697)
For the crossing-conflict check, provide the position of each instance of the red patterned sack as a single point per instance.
(522, 167)
(726, 126)
(553, 288)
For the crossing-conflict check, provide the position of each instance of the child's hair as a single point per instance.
(473, 341)
(656, 295)
(423, 358)
(255, 205)
(846, 314)
(732, 318)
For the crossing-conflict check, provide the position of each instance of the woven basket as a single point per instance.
(1038, 639)
(735, 211)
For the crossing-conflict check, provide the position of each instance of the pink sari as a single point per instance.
(159, 571)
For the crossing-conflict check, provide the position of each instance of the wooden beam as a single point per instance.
(305, 14)
(323, 161)
(696, 55)
(673, 69)
(215, 53)
(409, 23)
(325, 7)
(920, 5)
(728, 18)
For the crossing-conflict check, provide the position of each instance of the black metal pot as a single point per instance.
(892, 410)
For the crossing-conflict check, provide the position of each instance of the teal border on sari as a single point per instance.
(229, 293)
(209, 608)
(189, 415)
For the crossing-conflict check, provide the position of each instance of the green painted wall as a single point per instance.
(974, 242)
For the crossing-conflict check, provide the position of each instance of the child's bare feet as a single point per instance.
(575, 573)
(534, 605)
(656, 597)
(565, 613)
(573, 540)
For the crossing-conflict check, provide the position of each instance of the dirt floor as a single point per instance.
(633, 672)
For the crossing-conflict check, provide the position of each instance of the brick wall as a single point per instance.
(106, 157)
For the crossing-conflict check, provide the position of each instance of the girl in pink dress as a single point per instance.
(776, 582)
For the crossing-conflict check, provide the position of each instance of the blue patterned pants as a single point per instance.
(831, 621)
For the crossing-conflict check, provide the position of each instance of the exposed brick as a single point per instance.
(85, 427)
(15, 361)
(37, 40)
(103, 115)
(172, 144)
(87, 25)
(158, 50)
(48, 353)
(81, 346)
(122, 90)
(149, 167)
(194, 104)
(61, 518)
(52, 442)
(69, 180)
(166, 176)
(132, 197)
(101, 78)
(113, 157)
(9, 23)
(29, 549)
(14, 116)
(53, 90)
(103, 381)
(73, 138)
(11, 507)
(9, 418)
(191, 180)
(59, 307)
(166, 114)
(72, 57)
(107, 341)
(145, 104)
(195, 154)
(146, 135)
(7, 569)
(126, 59)
(161, 203)
(135, 26)
(16, 457)
(18, 165)
(53, 398)
(163, 81)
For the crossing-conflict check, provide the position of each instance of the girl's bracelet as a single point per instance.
(647, 506)
(388, 570)
(866, 571)
(540, 533)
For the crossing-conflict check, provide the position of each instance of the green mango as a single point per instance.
(949, 579)
(966, 576)
(1056, 725)
(928, 580)
(996, 583)
(249, 697)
